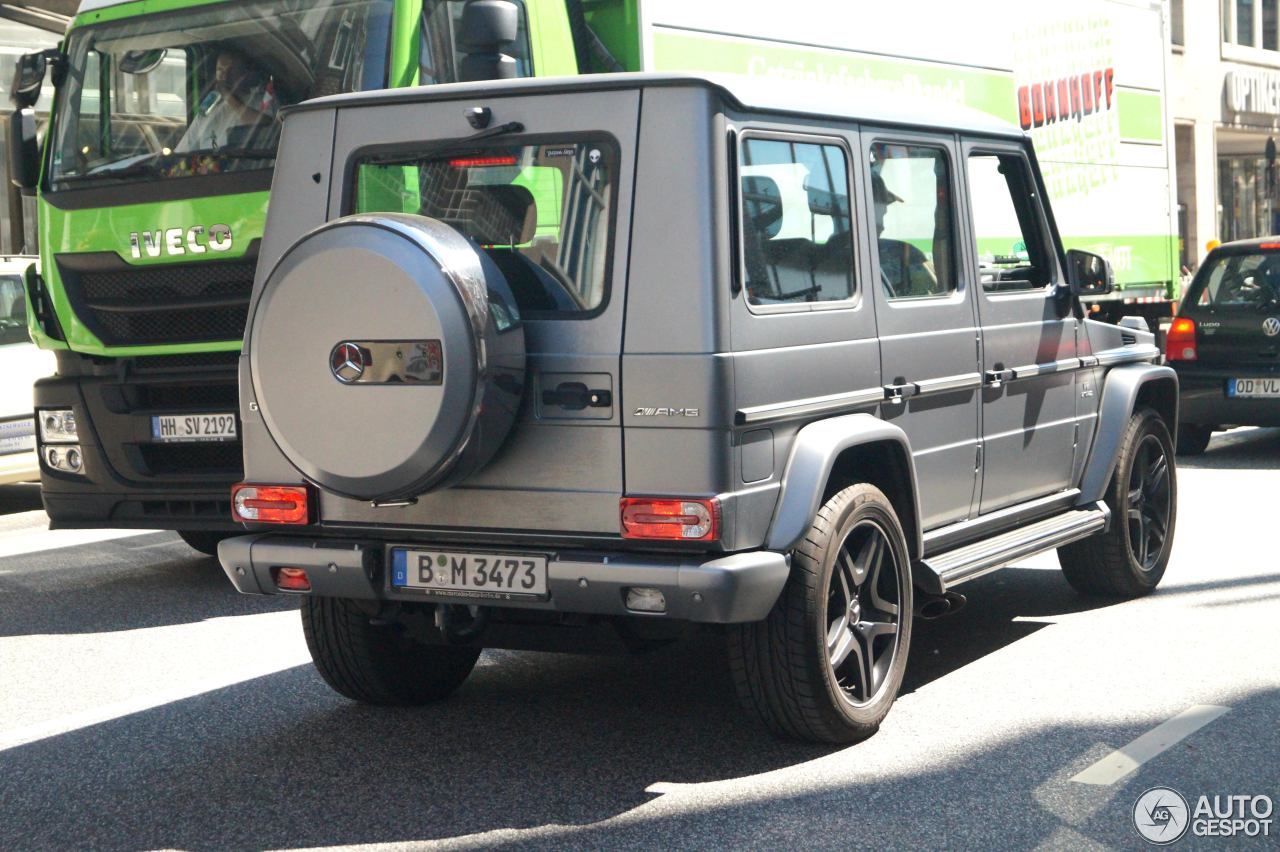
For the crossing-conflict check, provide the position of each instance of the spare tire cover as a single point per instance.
(387, 356)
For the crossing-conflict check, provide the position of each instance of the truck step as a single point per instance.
(956, 566)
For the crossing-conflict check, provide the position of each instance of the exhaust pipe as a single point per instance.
(930, 607)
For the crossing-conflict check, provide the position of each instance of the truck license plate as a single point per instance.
(1253, 388)
(502, 576)
(193, 427)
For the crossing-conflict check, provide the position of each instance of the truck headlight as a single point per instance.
(57, 426)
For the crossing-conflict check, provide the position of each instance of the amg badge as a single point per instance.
(667, 412)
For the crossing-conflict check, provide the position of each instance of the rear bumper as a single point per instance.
(736, 588)
(128, 481)
(1203, 399)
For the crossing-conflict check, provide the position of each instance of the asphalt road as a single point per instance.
(144, 704)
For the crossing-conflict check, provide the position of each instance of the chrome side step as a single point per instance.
(953, 567)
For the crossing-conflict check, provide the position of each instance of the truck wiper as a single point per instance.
(152, 163)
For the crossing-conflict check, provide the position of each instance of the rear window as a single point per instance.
(543, 213)
(1238, 282)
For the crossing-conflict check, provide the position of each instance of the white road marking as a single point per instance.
(1124, 760)
(98, 715)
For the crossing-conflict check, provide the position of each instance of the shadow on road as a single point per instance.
(1249, 449)
(123, 584)
(539, 743)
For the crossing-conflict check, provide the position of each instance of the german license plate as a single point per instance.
(1253, 388)
(193, 427)
(502, 576)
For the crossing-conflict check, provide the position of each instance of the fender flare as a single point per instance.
(1120, 390)
(813, 454)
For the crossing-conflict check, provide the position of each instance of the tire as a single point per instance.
(1120, 562)
(1193, 440)
(376, 663)
(204, 541)
(782, 666)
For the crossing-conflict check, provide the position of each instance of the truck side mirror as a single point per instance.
(487, 27)
(1088, 274)
(28, 77)
(24, 150)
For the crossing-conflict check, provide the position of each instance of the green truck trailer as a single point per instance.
(154, 173)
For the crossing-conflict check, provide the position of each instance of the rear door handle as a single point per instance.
(575, 396)
(898, 394)
(996, 378)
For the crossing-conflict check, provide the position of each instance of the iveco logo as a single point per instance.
(1271, 326)
(347, 362)
(178, 241)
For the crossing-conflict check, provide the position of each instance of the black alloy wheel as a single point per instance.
(1149, 502)
(862, 613)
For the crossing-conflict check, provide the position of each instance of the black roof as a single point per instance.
(748, 93)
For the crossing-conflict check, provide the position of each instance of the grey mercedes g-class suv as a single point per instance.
(535, 360)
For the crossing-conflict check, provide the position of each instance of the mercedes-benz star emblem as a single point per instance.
(347, 362)
(1271, 326)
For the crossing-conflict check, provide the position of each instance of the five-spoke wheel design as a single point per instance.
(1129, 557)
(827, 663)
(1149, 502)
(862, 612)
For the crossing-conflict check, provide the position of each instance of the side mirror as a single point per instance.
(1088, 274)
(28, 77)
(24, 150)
(487, 27)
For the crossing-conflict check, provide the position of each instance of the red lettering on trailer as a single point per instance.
(1024, 107)
(1074, 96)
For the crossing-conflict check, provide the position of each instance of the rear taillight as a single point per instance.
(671, 520)
(1180, 343)
(292, 580)
(271, 504)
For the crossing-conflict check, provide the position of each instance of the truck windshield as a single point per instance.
(197, 92)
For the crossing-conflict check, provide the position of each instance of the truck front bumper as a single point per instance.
(128, 480)
(729, 589)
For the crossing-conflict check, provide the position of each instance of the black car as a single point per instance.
(1225, 343)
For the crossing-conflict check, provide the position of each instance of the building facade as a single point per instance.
(1225, 86)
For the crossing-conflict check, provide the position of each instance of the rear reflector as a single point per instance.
(679, 520)
(1269, 246)
(270, 504)
(1180, 342)
(292, 580)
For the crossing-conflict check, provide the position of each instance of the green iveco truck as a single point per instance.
(154, 171)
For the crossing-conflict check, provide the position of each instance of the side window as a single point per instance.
(440, 52)
(911, 190)
(797, 242)
(1010, 244)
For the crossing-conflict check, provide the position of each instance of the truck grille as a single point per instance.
(215, 459)
(177, 303)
